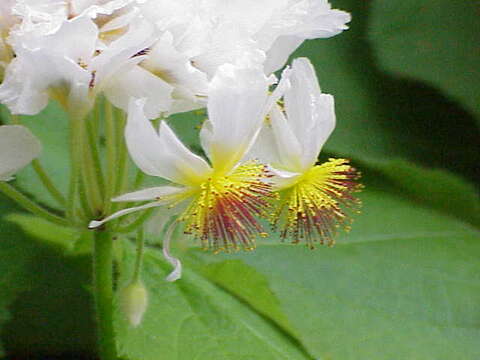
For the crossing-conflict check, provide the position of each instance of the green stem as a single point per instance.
(90, 177)
(103, 289)
(29, 205)
(93, 135)
(139, 258)
(83, 211)
(111, 158)
(48, 183)
(122, 158)
(75, 159)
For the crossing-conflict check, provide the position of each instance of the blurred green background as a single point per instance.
(403, 284)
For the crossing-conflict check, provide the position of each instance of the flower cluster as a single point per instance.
(153, 58)
(164, 51)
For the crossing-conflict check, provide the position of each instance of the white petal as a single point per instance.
(283, 179)
(95, 224)
(47, 66)
(177, 271)
(283, 86)
(123, 50)
(307, 19)
(8, 19)
(188, 166)
(18, 147)
(206, 136)
(154, 193)
(265, 147)
(248, 14)
(75, 39)
(175, 67)
(139, 83)
(143, 143)
(236, 105)
(280, 51)
(34, 76)
(226, 44)
(325, 24)
(288, 145)
(89, 8)
(310, 113)
(160, 155)
(323, 128)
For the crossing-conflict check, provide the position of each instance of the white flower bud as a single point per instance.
(134, 302)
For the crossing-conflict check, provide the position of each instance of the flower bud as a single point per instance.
(134, 302)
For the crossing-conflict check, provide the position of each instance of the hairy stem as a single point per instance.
(111, 158)
(89, 172)
(103, 289)
(139, 258)
(29, 205)
(122, 158)
(48, 183)
(93, 139)
(75, 158)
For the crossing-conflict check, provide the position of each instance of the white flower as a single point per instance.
(311, 196)
(278, 27)
(7, 20)
(67, 66)
(18, 147)
(294, 22)
(164, 51)
(196, 37)
(218, 201)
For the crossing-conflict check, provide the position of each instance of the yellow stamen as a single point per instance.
(224, 208)
(314, 207)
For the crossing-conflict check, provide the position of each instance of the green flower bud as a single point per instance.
(134, 302)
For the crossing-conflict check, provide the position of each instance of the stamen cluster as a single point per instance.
(316, 206)
(224, 212)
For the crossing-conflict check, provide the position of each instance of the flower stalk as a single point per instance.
(103, 293)
(48, 183)
(111, 157)
(9, 191)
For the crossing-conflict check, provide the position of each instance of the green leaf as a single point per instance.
(434, 41)
(194, 319)
(44, 305)
(381, 117)
(59, 236)
(436, 188)
(403, 284)
(403, 129)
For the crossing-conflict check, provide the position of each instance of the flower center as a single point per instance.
(315, 206)
(223, 214)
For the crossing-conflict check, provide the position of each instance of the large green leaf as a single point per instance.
(404, 284)
(433, 187)
(383, 122)
(194, 319)
(382, 117)
(434, 41)
(45, 307)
